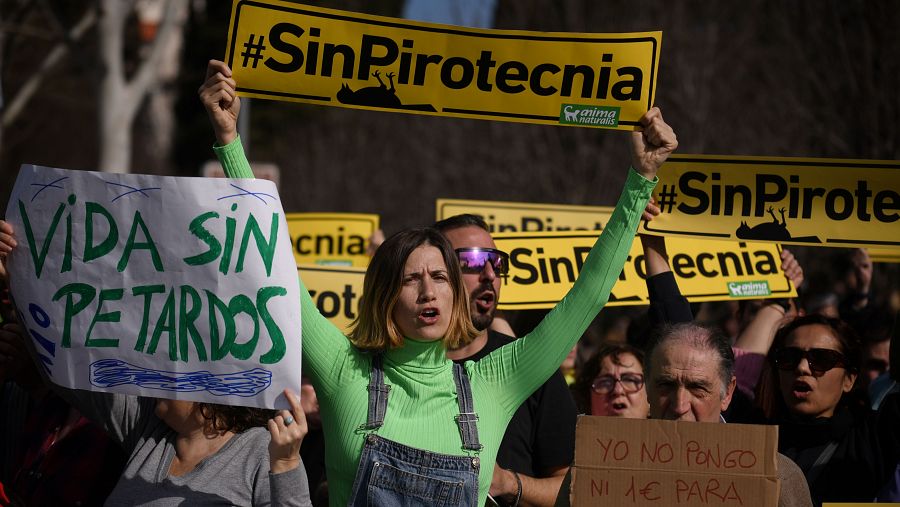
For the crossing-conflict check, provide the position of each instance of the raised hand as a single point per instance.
(791, 268)
(652, 146)
(219, 96)
(287, 430)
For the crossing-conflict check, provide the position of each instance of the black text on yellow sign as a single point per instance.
(527, 217)
(543, 267)
(335, 291)
(285, 51)
(816, 202)
(337, 239)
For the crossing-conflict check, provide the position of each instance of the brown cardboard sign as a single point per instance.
(644, 462)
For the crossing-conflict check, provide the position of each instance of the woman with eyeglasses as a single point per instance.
(611, 383)
(403, 424)
(846, 451)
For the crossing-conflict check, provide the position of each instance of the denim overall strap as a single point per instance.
(467, 420)
(378, 395)
(390, 473)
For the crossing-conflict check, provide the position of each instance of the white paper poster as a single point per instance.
(182, 288)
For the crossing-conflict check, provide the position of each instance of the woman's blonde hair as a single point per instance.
(374, 327)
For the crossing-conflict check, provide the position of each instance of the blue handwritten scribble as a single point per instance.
(39, 315)
(48, 345)
(45, 186)
(113, 372)
(43, 320)
(132, 190)
(245, 192)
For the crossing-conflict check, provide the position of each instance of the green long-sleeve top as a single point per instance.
(422, 402)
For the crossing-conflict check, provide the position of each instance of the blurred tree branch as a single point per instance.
(49, 63)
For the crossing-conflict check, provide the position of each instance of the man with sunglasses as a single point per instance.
(689, 372)
(539, 442)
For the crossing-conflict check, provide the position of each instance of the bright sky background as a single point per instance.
(471, 13)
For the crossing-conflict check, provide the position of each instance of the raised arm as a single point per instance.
(667, 305)
(758, 336)
(323, 343)
(754, 341)
(519, 367)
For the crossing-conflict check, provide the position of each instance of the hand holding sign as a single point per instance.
(287, 429)
(505, 485)
(221, 101)
(650, 148)
(792, 269)
(651, 211)
(7, 243)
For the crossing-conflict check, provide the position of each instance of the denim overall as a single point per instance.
(391, 473)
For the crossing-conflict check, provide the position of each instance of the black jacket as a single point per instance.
(868, 449)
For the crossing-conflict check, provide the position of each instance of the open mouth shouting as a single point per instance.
(485, 301)
(618, 407)
(429, 316)
(801, 389)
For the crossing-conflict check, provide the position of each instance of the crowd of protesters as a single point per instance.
(432, 399)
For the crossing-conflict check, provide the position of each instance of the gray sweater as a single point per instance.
(237, 474)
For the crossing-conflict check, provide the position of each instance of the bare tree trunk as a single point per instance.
(162, 98)
(120, 98)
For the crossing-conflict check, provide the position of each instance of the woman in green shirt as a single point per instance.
(423, 445)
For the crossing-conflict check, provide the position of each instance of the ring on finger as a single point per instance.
(288, 420)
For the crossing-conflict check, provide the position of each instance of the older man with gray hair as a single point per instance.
(691, 373)
(690, 377)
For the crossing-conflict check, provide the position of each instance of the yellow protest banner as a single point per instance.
(335, 290)
(527, 217)
(813, 202)
(331, 238)
(285, 51)
(886, 255)
(543, 267)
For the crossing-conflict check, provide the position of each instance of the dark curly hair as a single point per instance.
(235, 419)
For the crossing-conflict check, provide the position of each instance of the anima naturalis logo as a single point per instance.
(598, 116)
(749, 289)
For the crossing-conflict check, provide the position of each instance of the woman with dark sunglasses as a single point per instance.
(846, 451)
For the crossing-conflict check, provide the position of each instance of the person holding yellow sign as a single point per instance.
(403, 424)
